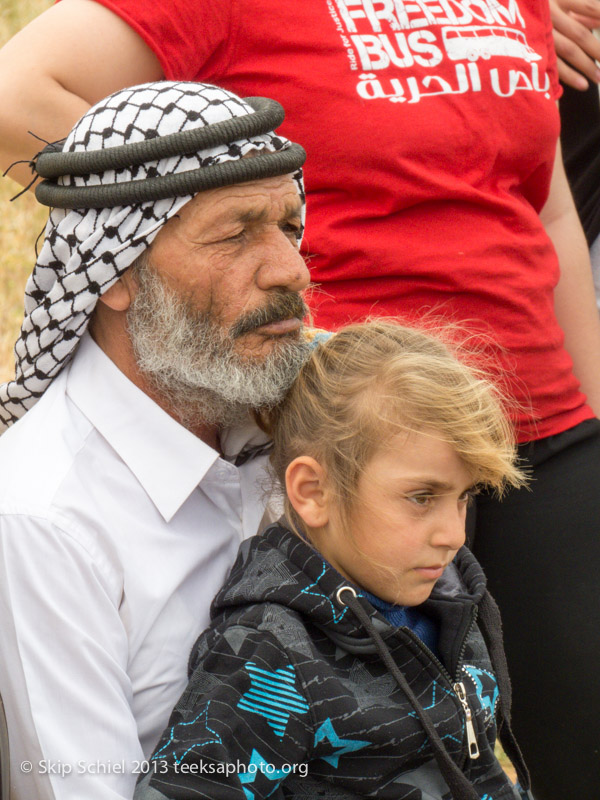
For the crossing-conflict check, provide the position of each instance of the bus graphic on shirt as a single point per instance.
(486, 41)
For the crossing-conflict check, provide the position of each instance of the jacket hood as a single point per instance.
(278, 566)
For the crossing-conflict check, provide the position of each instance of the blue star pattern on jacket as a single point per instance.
(258, 765)
(334, 614)
(212, 737)
(326, 731)
(273, 696)
(434, 701)
(486, 687)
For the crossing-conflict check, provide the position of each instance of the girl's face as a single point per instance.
(407, 521)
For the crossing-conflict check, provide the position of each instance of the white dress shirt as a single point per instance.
(117, 527)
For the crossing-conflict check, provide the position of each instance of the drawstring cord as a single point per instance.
(459, 786)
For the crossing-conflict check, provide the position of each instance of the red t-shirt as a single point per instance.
(430, 128)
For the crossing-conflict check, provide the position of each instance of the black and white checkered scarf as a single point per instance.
(84, 252)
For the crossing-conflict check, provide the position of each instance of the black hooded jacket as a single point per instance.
(300, 689)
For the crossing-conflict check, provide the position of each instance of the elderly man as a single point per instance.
(127, 487)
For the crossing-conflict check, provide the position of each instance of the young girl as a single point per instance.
(354, 651)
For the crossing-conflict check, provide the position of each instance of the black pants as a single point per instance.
(541, 552)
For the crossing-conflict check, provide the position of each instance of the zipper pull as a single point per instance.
(472, 745)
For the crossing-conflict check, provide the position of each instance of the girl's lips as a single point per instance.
(431, 573)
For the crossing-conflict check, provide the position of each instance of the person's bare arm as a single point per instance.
(68, 58)
(576, 46)
(575, 302)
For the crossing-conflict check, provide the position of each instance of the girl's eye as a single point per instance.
(421, 500)
(467, 497)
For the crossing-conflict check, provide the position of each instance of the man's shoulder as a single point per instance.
(47, 455)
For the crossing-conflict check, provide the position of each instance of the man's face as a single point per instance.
(215, 322)
(232, 252)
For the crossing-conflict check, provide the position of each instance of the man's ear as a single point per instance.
(306, 488)
(120, 295)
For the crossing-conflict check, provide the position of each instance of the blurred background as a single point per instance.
(20, 221)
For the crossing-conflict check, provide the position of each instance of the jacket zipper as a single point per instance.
(463, 645)
(457, 686)
(472, 745)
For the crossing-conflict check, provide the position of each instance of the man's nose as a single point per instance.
(281, 265)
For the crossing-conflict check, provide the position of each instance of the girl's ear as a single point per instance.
(306, 488)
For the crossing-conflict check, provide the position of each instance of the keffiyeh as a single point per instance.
(85, 251)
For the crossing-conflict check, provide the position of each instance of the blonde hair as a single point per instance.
(370, 381)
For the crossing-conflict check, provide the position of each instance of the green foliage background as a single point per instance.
(20, 221)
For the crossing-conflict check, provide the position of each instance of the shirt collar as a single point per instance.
(167, 460)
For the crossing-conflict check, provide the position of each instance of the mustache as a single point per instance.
(279, 307)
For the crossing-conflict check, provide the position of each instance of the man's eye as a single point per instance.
(236, 236)
(291, 230)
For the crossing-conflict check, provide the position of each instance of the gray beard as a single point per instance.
(192, 363)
